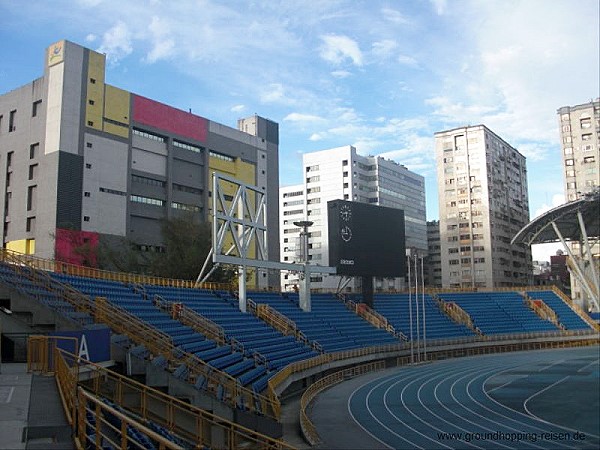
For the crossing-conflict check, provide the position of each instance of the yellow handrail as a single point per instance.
(185, 420)
(308, 428)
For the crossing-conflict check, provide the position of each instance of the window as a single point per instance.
(453, 262)
(92, 81)
(570, 173)
(147, 135)
(11, 121)
(146, 200)
(182, 188)
(9, 157)
(214, 154)
(87, 194)
(566, 128)
(586, 137)
(88, 166)
(184, 207)
(585, 122)
(568, 150)
(1, 116)
(86, 218)
(453, 250)
(113, 191)
(31, 191)
(91, 102)
(30, 226)
(345, 162)
(88, 144)
(190, 147)
(589, 159)
(569, 162)
(567, 140)
(36, 108)
(148, 181)
(32, 171)
(313, 179)
(479, 260)
(33, 150)
(572, 185)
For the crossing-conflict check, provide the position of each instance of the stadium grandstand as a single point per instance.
(185, 368)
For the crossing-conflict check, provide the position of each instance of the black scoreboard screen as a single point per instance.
(366, 240)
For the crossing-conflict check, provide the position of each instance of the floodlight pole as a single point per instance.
(304, 300)
(423, 310)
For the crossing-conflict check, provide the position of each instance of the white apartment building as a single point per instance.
(580, 147)
(580, 139)
(483, 203)
(342, 174)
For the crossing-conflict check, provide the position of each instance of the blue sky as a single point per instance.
(380, 75)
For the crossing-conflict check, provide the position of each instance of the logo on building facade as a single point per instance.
(56, 53)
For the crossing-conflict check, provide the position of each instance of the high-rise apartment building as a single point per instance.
(82, 162)
(483, 203)
(342, 174)
(433, 261)
(580, 146)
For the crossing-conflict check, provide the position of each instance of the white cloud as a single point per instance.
(238, 108)
(439, 6)
(408, 61)
(395, 17)
(337, 48)
(341, 74)
(299, 117)
(557, 200)
(274, 93)
(91, 37)
(384, 48)
(162, 42)
(116, 42)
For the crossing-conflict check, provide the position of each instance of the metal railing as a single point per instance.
(218, 383)
(91, 272)
(192, 319)
(284, 324)
(147, 404)
(543, 311)
(308, 428)
(575, 307)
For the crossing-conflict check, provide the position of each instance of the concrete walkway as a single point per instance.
(15, 391)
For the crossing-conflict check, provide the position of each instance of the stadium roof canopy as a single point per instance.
(574, 221)
(565, 217)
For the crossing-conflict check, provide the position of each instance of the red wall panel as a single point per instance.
(170, 119)
(77, 247)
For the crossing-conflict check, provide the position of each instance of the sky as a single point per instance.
(383, 76)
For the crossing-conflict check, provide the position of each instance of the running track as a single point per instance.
(525, 400)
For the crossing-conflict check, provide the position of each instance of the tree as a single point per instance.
(187, 242)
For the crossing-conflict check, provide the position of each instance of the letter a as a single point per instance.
(83, 348)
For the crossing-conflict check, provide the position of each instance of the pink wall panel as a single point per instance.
(77, 247)
(170, 119)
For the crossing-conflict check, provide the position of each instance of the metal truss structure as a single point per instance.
(574, 221)
(239, 235)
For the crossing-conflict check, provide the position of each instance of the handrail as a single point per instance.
(308, 428)
(542, 310)
(575, 307)
(148, 403)
(457, 314)
(233, 393)
(192, 319)
(157, 343)
(91, 272)
(105, 434)
(282, 323)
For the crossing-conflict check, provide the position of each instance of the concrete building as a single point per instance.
(83, 161)
(580, 146)
(341, 173)
(483, 203)
(580, 139)
(433, 261)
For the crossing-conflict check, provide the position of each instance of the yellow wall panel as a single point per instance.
(17, 246)
(94, 105)
(119, 130)
(116, 104)
(30, 246)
